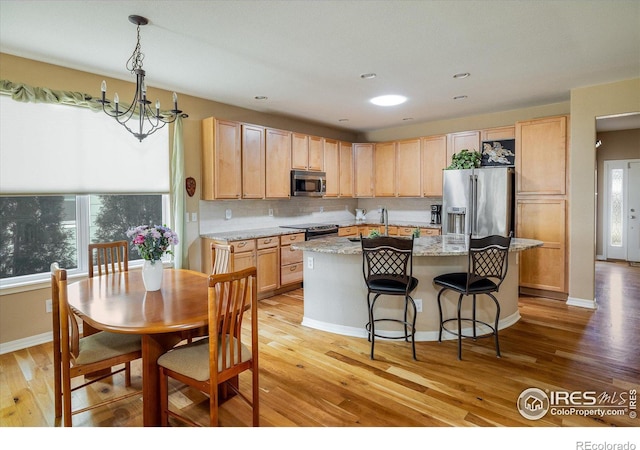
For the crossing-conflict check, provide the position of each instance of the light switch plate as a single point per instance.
(310, 262)
(194, 217)
(227, 214)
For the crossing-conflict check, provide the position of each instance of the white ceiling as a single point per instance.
(307, 56)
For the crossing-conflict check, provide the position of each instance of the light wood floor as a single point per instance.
(312, 378)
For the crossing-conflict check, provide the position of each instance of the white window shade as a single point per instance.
(58, 149)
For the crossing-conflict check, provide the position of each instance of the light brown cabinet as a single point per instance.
(498, 134)
(434, 160)
(469, 140)
(408, 169)
(545, 220)
(267, 263)
(332, 167)
(363, 170)
(384, 169)
(346, 169)
(291, 268)
(306, 152)
(244, 254)
(541, 156)
(348, 231)
(221, 159)
(253, 161)
(542, 203)
(277, 163)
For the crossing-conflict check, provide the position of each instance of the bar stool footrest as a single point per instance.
(474, 322)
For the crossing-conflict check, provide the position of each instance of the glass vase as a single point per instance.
(152, 275)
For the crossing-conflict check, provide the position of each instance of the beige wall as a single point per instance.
(586, 104)
(616, 145)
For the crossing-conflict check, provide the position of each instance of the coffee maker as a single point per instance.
(436, 214)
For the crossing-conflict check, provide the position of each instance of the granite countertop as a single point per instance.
(423, 246)
(240, 235)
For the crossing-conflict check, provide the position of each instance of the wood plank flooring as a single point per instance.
(310, 378)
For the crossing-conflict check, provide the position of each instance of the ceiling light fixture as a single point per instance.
(260, 97)
(388, 100)
(461, 75)
(368, 76)
(148, 121)
(459, 97)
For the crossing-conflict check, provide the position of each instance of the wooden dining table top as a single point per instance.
(118, 302)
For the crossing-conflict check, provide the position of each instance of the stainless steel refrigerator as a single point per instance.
(478, 201)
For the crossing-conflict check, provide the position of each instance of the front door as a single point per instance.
(622, 210)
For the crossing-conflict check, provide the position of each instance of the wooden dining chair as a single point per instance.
(107, 255)
(218, 360)
(221, 257)
(75, 356)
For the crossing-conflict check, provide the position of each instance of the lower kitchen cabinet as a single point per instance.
(543, 267)
(267, 263)
(290, 259)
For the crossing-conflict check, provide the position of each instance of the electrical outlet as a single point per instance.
(270, 212)
(48, 306)
(227, 214)
(322, 209)
(418, 302)
(309, 262)
(194, 216)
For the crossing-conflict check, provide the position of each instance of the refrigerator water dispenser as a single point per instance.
(456, 216)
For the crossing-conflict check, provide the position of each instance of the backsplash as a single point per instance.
(253, 214)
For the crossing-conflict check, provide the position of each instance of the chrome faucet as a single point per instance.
(384, 219)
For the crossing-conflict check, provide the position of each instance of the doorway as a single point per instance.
(621, 210)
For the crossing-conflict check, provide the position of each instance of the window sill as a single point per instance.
(45, 283)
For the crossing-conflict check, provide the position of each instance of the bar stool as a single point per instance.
(387, 265)
(488, 261)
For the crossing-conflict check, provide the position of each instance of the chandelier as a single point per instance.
(149, 120)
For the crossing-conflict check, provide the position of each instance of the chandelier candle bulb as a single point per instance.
(175, 101)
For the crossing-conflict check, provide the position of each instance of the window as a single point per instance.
(99, 181)
(38, 230)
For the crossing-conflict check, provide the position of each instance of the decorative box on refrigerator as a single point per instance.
(478, 201)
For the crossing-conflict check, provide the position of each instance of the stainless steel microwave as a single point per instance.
(308, 184)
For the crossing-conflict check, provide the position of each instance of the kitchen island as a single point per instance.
(335, 294)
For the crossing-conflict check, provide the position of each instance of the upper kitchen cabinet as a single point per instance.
(277, 163)
(408, 169)
(541, 153)
(332, 167)
(253, 161)
(498, 134)
(363, 170)
(346, 169)
(469, 140)
(307, 152)
(221, 159)
(434, 160)
(384, 179)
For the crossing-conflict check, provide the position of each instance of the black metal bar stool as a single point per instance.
(387, 265)
(487, 268)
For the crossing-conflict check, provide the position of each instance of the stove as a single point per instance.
(315, 230)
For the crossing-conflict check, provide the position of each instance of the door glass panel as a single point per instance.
(615, 225)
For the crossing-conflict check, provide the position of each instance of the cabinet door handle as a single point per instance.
(267, 241)
(242, 244)
(293, 268)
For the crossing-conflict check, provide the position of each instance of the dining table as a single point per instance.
(118, 302)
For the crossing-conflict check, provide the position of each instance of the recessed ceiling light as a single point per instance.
(461, 75)
(388, 100)
(408, 118)
(343, 120)
(261, 97)
(368, 76)
(459, 97)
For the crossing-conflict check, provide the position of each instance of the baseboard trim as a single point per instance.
(421, 336)
(582, 303)
(21, 344)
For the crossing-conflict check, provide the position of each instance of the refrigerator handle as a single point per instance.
(472, 205)
(474, 227)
